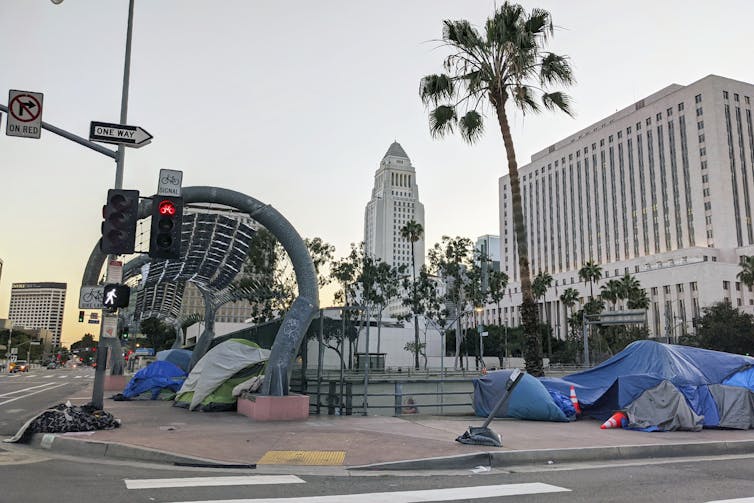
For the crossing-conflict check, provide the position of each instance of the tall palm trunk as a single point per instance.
(532, 341)
(416, 317)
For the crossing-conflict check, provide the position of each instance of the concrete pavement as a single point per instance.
(155, 431)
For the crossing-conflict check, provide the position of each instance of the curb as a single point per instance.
(92, 449)
(571, 455)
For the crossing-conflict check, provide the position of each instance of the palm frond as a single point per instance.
(539, 23)
(434, 88)
(555, 69)
(461, 34)
(523, 97)
(471, 126)
(442, 120)
(557, 100)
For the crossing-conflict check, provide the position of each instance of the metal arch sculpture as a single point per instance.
(304, 307)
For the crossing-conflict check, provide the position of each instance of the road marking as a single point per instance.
(737, 500)
(211, 481)
(14, 411)
(34, 393)
(24, 389)
(451, 494)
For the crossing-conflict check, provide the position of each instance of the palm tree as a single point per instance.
(611, 292)
(628, 286)
(541, 284)
(413, 232)
(746, 274)
(505, 64)
(569, 298)
(590, 272)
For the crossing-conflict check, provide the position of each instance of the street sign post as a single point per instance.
(119, 134)
(24, 114)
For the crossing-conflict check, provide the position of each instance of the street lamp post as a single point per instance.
(480, 327)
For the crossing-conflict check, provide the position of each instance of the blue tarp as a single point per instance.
(642, 365)
(744, 379)
(529, 400)
(178, 357)
(155, 377)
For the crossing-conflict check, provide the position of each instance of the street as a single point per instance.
(700, 480)
(25, 394)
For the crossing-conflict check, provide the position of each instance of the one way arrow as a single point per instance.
(119, 134)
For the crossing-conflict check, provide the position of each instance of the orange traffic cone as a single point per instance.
(617, 420)
(575, 401)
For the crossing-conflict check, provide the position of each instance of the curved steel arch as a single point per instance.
(296, 320)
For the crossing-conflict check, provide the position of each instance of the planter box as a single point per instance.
(274, 408)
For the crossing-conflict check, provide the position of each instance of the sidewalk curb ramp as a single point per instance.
(571, 455)
(93, 449)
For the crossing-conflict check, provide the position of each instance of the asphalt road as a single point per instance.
(69, 480)
(23, 395)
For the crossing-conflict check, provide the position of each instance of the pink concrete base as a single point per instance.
(115, 383)
(275, 408)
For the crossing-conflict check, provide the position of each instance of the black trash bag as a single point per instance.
(63, 418)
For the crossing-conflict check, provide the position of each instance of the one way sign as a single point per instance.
(119, 134)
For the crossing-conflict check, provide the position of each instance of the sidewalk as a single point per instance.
(157, 431)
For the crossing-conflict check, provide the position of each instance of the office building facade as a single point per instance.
(38, 306)
(662, 190)
(394, 202)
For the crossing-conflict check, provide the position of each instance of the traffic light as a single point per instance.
(81, 316)
(165, 237)
(119, 227)
(115, 296)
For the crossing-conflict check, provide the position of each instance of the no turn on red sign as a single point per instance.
(24, 114)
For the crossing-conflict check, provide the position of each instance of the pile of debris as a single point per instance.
(64, 418)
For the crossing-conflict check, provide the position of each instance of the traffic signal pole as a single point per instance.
(114, 343)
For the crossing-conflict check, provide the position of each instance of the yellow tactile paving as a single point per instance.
(303, 458)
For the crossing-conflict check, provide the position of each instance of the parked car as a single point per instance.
(52, 365)
(19, 366)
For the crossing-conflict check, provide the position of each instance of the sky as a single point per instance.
(295, 103)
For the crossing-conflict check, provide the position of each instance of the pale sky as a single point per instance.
(294, 103)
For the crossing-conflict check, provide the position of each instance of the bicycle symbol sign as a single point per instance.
(90, 297)
(169, 183)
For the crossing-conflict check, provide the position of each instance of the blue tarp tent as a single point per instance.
(529, 399)
(644, 365)
(154, 378)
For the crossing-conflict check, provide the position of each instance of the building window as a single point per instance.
(669, 112)
(693, 286)
(700, 125)
(638, 126)
(735, 97)
(698, 98)
(648, 121)
(680, 107)
(658, 117)
(725, 95)
(701, 138)
(679, 288)
(699, 111)
(666, 289)
(738, 286)
(726, 285)
(654, 291)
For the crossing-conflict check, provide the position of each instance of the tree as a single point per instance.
(268, 281)
(611, 292)
(569, 298)
(413, 232)
(541, 284)
(497, 284)
(746, 274)
(506, 64)
(590, 273)
(724, 328)
(160, 335)
(448, 260)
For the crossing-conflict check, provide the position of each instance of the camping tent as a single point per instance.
(159, 378)
(528, 400)
(209, 386)
(179, 357)
(644, 365)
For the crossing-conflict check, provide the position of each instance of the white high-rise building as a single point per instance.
(663, 190)
(394, 202)
(38, 306)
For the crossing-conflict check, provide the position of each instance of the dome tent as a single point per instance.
(209, 386)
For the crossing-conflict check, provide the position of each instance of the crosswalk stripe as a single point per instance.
(212, 481)
(451, 494)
